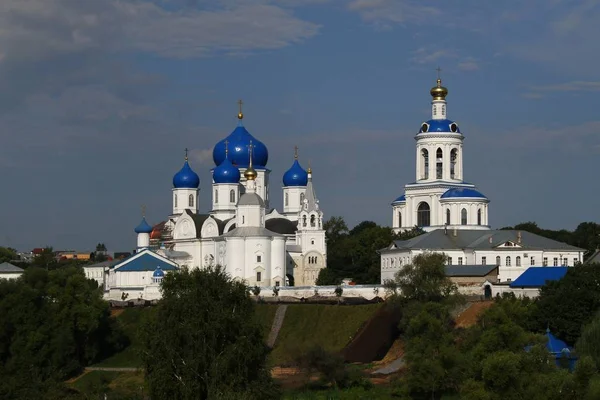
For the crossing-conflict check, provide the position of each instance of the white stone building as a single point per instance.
(254, 242)
(9, 271)
(512, 251)
(439, 196)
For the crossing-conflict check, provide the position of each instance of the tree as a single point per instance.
(425, 279)
(54, 323)
(202, 342)
(589, 342)
(7, 254)
(46, 259)
(327, 276)
(568, 304)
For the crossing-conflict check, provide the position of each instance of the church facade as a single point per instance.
(252, 241)
(439, 197)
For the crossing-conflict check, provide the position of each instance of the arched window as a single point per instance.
(425, 163)
(243, 219)
(313, 221)
(508, 261)
(463, 216)
(191, 200)
(423, 213)
(399, 219)
(232, 196)
(301, 198)
(312, 241)
(453, 158)
(447, 216)
(439, 166)
(518, 261)
(175, 201)
(304, 220)
(216, 196)
(497, 261)
(287, 199)
(479, 217)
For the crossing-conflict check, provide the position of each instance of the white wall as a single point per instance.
(10, 275)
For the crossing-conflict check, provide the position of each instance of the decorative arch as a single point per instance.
(439, 165)
(463, 216)
(424, 214)
(232, 196)
(301, 198)
(424, 164)
(313, 220)
(191, 200)
(304, 220)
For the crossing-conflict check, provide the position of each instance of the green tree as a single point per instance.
(7, 254)
(425, 279)
(327, 276)
(46, 259)
(202, 342)
(589, 342)
(568, 304)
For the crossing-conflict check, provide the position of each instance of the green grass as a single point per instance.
(118, 385)
(94, 379)
(265, 313)
(330, 326)
(130, 321)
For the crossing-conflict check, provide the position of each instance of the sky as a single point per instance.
(99, 99)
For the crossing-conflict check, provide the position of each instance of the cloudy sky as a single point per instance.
(99, 98)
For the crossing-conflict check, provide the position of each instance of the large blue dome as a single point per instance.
(462, 193)
(226, 173)
(439, 125)
(186, 178)
(143, 227)
(237, 143)
(295, 176)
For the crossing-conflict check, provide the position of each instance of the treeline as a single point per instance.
(504, 354)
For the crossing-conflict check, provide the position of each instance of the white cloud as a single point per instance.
(37, 28)
(385, 12)
(468, 64)
(202, 156)
(573, 86)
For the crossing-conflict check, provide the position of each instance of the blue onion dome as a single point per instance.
(226, 173)
(186, 178)
(439, 125)
(158, 273)
(295, 176)
(463, 193)
(237, 143)
(143, 227)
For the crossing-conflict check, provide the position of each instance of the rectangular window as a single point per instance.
(258, 276)
(545, 264)
(449, 260)
(532, 261)
(575, 260)
(483, 261)
(258, 258)
(276, 283)
(565, 262)
(460, 261)
(555, 261)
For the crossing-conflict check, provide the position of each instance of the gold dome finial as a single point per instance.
(240, 113)
(438, 92)
(186, 154)
(309, 170)
(250, 173)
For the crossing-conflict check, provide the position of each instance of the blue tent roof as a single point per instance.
(145, 262)
(462, 192)
(555, 345)
(538, 276)
(400, 199)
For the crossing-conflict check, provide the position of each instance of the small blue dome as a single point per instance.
(439, 125)
(226, 173)
(462, 192)
(143, 227)
(237, 143)
(295, 176)
(400, 199)
(158, 273)
(186, 178)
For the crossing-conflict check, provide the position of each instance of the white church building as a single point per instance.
(439, 196)
(252, 241)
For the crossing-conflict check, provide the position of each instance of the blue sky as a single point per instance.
(99, 99)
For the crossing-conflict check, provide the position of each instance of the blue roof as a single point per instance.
(554, 344)
(186, 178)
(145, 262)
(400, 199)
(143, 227)
(295, 176)
(538, 276)
(226, 173)
(237, 143)
(158, 273)
(462, 192)
(440, 125)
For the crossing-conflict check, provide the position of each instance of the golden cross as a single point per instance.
(240, 104)
(438, 69)
(143, 210)
(186, 154)
(250, 146)
(295, 152)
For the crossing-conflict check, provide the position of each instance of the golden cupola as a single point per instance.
(438, 92)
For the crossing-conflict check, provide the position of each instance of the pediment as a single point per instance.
(185, 228)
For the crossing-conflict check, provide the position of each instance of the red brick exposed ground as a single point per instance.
(469, 317)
